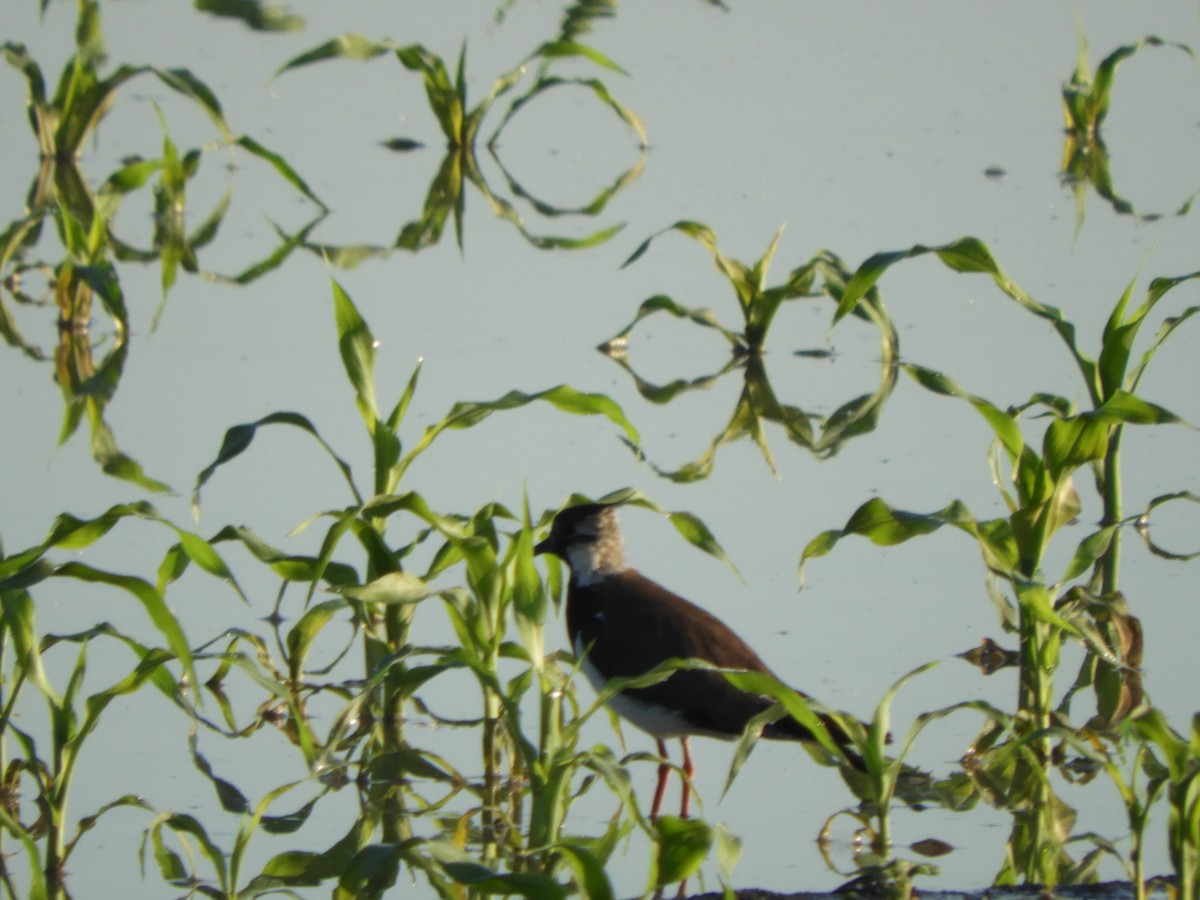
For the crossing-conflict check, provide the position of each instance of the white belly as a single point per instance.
(657, 721)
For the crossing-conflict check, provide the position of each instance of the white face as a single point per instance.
(594, 550)
(586, 562)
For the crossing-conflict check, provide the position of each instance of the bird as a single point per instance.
(622, 624)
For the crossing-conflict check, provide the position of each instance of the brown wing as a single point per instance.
(632, 624)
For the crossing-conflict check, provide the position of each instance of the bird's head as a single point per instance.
(588, 539)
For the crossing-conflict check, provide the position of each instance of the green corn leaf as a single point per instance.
(203, 554)
(1097, 90)
(18, 618)
(95, 704)
(729, 851)
(875, 749)
(1117, 341)
(687, 524)
(371, 869)
(1152, 726)
(528, 592)
(343, 521)
(357, 347)
(280, 165)
(239, 437)
(169, 863)
(1165, 331)
(300, 637)
(386, 505)
(571, 49)
(289, 567)
(1071, 443)
(793, 702)
(291, 822)
(37, 879)
(969, 255)
(71, 533)
(697, 534)
(187, 84)
(521, 884)
(467, 414)
(346, 46)
(1002, 423)
(18, 57)
(87, 823)
(1125, 407)
(401, 407)
(303, 868)
(392, 588)
(588, 870)
(624, 113)
(883, 525)
(1090, 549)
(680, 846)
(82, 100)
(129, 177)
(150, 598)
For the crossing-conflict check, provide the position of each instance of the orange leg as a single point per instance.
(689, 769)
(664, 769)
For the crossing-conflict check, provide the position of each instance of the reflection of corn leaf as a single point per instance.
(1086, 99)
(662, 303)
(592, 208)
(663, 394)
(112, 461)
(346, 46)
(255, 14)
(447, 100)
(501, 208)
(597, 87)
(565, 49)
(1144, 521)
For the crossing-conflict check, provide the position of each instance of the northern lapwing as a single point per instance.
(622, 624)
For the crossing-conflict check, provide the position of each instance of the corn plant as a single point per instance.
(1139, 783)
(1086, 99)
(758, 404)
(460, 124)
(1040, 495)
(84, 275)
(876, 777)
(63, 122)
(1180, 770)
(382, 604)
(757, 303)
(253, 14)
(49, 774)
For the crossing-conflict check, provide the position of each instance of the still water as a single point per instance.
(861, 127)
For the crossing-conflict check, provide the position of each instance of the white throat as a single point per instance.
(595, 561)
